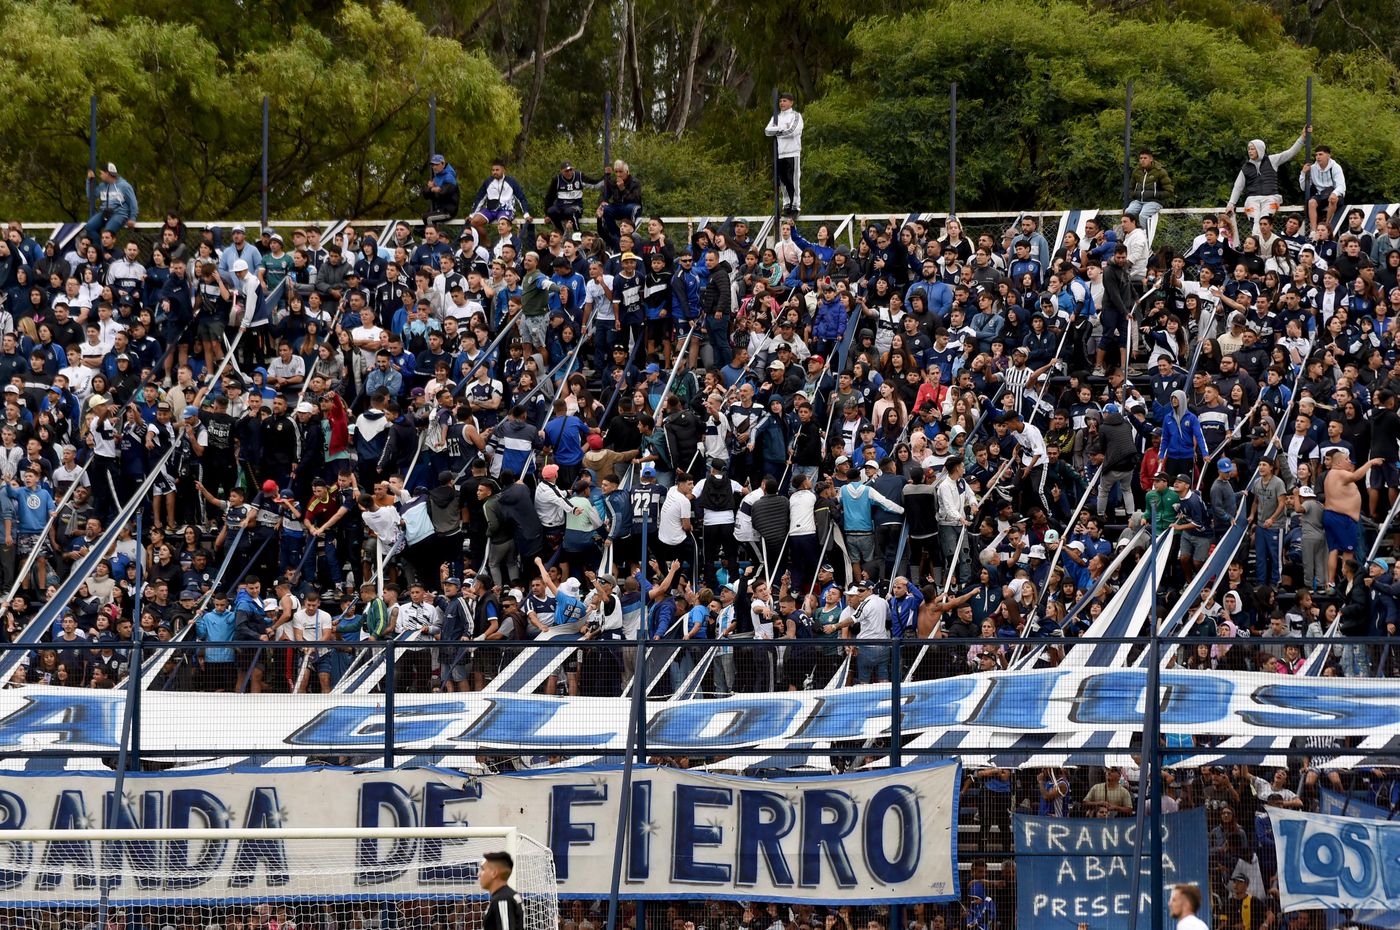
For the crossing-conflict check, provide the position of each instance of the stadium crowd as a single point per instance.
(487, 428)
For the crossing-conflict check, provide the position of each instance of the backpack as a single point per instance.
(717, 495)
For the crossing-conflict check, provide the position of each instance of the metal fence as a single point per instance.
(164, 725)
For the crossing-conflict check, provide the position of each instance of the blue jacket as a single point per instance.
(117, 199)
(1182, 439)
(938, 297)
(215, 627)
(858, 502)
(831, 320)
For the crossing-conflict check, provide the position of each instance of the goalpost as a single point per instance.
(347, 878)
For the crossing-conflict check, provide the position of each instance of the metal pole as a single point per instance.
(432, 125)
(624, 814)
(1148, 788)
(1307, 141)
(1154, 721)
(777, 186)
(264, 159)
(1128, 146)
(953, 149)
(92, 154)
(896, 744)
(607, 130)
(133, 686)
(388, 694)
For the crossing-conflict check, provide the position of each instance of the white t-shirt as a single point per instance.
(594, 296)
(385, 523)
(367, 334)
(311, 624)
(80, 380)
(675, 508)
(1191, 922)
(873, 618)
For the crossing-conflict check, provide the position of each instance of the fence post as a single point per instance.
(1154, 750)
(92, 154)
(264, 160)
(1128, 146)
(953, 149)
(635, 726)
(607, 132)
(432, 125)
(896, 743)
(389, 705)
(1307, 140)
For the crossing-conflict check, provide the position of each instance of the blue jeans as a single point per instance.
(1356, 661)
(872, 663)
(96, 224)
(1266, 564)
(1144, 210)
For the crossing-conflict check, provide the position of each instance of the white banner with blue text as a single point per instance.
(849, 838)
(1050, 701)
(1334, 862)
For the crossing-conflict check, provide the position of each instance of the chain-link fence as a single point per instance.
(1048, 814)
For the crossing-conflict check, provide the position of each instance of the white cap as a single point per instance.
(305, 407)
(111, 168)
(1052, 537)
(1037, 552)
(1077, 545)
(240, 265)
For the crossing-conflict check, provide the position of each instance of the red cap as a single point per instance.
(595, 441)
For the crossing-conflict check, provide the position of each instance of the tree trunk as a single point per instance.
(537, 81)
(681, 116)
(639, 109)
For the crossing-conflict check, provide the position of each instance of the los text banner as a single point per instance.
(851, 838)
(1074, 872)
(1332, 862)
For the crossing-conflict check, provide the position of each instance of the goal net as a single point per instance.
(265, 879)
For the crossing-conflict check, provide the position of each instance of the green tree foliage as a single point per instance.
(182, 119)
(1040, 119)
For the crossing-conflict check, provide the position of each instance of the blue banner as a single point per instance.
(1341, 805)
(1073, 873)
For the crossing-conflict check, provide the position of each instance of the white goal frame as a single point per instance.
(533, 879)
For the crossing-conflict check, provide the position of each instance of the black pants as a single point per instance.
(716, 539)
(1035, 492)
(564, 217)
(788, 181)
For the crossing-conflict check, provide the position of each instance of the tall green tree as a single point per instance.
(1040, 119)
(182, 121)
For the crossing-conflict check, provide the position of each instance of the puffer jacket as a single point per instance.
(831, 319)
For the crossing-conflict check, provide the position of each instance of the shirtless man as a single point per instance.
(1341, 515)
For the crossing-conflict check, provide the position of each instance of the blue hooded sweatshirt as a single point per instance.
(1181, 432)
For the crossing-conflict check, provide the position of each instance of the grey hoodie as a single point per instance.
(1262, 152)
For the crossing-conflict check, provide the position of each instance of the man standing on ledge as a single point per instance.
(1258, 180)
(1341, 515)
(504, 912)
(787, 127)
